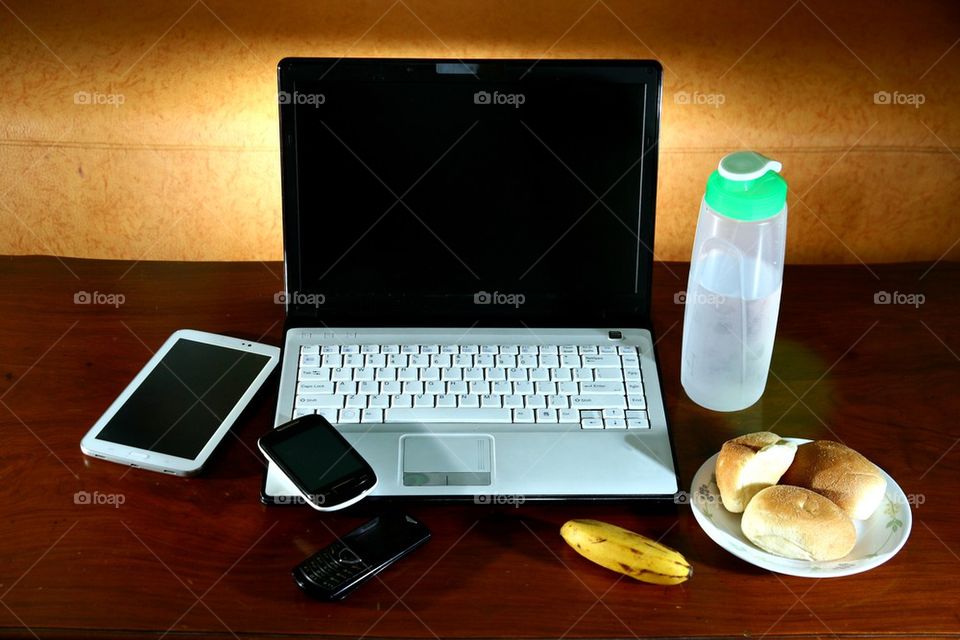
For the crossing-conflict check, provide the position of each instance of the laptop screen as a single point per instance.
(469, 193)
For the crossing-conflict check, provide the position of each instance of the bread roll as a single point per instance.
(750, 463)
(839, 473)
(797, 523)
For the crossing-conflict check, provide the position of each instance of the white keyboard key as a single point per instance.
(480, 387)
(569, 416)
(501, 387)
(607, 350)
(484, 361)
(391, 387)
(550, 362)
(627, 350)
(569, 388)
(634, 388)
(514, 402)
(452, 373)
(423, 400)
(333, 360)
(636, 402)
(356, 402)
(588, 350)
(401, 401)
(632, 362)
(390, 348)
(350, 348)
(319, 402)
(588, 388)
(446, 400)
(419, 361)
(457, 415)
(376, 360)
(310, 361)
(430, 374)
(633, 413)
(591, 415)
(469, 349)
(529, 349)
(523, 416)
(568, 350)
(506, 361)
(598, 402)
(523, 388)
(614, 423)
(536, 402)
(430, 349)
(363, 373)
(469, 401)
(548, 416)
(527, 362)
(539, 374)
(489, 349)
(309, 350)
(591, 423)
(407, 374)
(548, 350)
(631, 374)
(634, 423)
(442, 361)
(449, 349)
(613, 413)
(353, 360)
(462, 361)
(410, 348)
(386, 373)
(330, 415)
(413, 387)
(348, 416)
(491, 401)
(509, 349)
(314, 373)
(609, 374)
(299, 413)
(307, 388)
(435, 387)
(514, 374)
(497, 374)
(561, 375)
(599, 362)
(369, 348)
(558, 402)
(371, 415)
(379, 401)
(330, 348)
(547, 388)
(397, 360)
(571, 362)
(346, 388)
(457, 388)
(341, 375)
(473, 373)
(583, 375)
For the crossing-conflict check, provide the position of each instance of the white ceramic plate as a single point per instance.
(878, 539)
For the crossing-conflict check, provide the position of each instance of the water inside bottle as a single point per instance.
(729, 331)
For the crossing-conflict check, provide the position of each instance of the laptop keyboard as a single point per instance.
(595, 387)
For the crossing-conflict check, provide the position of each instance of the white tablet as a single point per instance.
(180, 406)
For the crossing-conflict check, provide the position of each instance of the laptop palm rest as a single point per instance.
(446, 459)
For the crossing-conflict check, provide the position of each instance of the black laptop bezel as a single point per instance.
(292, 72)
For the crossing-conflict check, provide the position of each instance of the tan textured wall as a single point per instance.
(187, 166)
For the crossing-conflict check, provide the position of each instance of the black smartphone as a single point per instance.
(335, 571)
(327, 471)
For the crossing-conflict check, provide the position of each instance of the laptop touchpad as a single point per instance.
(446, 459)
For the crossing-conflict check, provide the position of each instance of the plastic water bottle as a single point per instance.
(736, 275)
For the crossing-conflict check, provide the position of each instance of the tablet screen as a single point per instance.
(181, 403)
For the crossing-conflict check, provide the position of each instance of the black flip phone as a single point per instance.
(335, 571)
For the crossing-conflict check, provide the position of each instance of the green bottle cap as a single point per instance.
(747, 186)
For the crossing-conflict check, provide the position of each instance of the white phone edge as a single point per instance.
(145, 459)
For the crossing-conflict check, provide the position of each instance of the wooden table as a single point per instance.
(197, 557)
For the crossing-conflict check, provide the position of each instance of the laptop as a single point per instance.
(467, 256)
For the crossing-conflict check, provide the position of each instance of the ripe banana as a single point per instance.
(626, 552)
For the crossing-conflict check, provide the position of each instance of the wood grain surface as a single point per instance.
(161, 555)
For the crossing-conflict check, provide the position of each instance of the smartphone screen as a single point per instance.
(183, 401)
